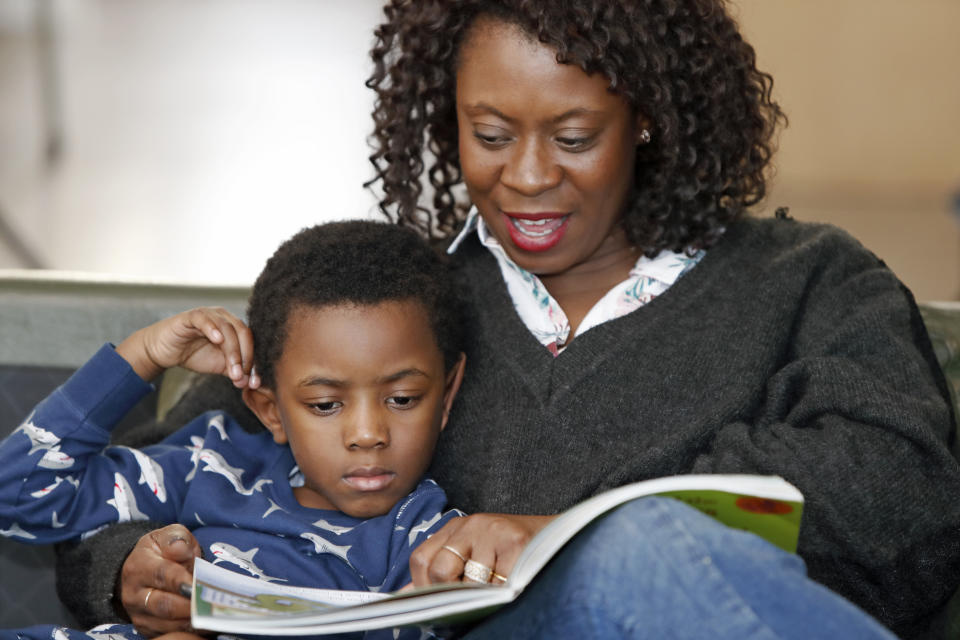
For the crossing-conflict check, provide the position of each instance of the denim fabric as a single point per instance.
(656, 568)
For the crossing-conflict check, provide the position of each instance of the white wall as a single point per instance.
(200, 133)
(197, 135)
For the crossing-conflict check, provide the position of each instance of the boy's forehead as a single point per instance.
(364, 338)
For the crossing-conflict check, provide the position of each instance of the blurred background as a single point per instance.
(182, 140)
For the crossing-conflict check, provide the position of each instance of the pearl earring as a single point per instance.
(645, 136)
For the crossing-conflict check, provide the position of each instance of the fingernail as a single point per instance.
(185, 590)
(236, 371)
(175, 539)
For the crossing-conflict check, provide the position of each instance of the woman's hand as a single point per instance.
(155, 580)
(491, 539)
(206, 340)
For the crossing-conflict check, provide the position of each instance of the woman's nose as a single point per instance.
(366, 430)
(531, 168)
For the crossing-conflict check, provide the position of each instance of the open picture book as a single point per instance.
(226, 601)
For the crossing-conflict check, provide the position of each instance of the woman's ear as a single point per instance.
(454, 378)
(643, 129)
(263, 402)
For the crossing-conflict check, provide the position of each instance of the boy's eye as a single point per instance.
(325, 408)
(403, 402)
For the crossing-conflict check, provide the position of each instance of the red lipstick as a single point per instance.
(536, 232)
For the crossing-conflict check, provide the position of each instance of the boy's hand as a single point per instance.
(206, 340)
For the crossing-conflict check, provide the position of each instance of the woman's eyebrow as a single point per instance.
(570, 113)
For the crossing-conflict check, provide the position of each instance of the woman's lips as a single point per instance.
(369, 479)
(536, 231)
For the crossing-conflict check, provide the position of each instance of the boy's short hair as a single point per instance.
(354, 262)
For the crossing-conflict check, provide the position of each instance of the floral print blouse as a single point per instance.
(538, 310)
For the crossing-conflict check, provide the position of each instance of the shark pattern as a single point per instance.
(39, 438)
(39, 493)
(273, 507)
(17, 530)
(321, 545)
(102, 632)
(422, 527)
(124, 501)
(195, 447)
(54, 523)
(224, 552)
(332, 528)
(93, 532)
(53, 458)
(151, 473)
(214, 462)
(216, 422)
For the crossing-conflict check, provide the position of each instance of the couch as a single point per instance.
(50, 323)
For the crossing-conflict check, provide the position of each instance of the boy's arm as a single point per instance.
(45, 460)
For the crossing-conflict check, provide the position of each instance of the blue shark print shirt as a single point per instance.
(59, 480)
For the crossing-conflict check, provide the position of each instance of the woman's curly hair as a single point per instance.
(681, 63)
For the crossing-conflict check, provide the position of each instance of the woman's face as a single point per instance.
(547, 152)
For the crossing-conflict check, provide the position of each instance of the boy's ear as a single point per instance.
(454, 378)
(263, 402)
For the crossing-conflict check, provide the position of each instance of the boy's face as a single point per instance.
(361, 396)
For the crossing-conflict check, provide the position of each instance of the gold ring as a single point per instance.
(454, 552)
(496, 576)
(477, 572)
(146, 601)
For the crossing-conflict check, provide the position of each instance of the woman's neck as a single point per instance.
(580, 287)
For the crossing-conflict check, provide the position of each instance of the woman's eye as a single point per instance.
(325, 408)
(572, 143)
(403, 402)
(490, 140)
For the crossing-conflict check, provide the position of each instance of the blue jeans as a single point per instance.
(656, 568)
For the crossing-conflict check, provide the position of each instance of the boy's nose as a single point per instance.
(367, 430)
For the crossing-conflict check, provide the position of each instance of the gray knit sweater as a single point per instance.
(789, 349)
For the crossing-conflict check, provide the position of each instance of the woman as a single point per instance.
(629, 321)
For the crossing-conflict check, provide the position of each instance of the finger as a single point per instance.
(255, 381)
(237, 348)
(149, 581)
(430, 563)
(484, 553)
(162, 612)
(229, 344)
(244, 342)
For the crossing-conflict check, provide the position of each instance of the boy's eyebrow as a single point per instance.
(319, 381)
(403, 373)
(332, 382)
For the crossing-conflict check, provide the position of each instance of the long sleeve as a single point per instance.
(789, 349)
(855, 413)
(87, 571)
(59, 479)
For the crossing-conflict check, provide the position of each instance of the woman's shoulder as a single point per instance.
(783, 240)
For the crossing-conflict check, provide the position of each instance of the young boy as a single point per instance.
(358, 357)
